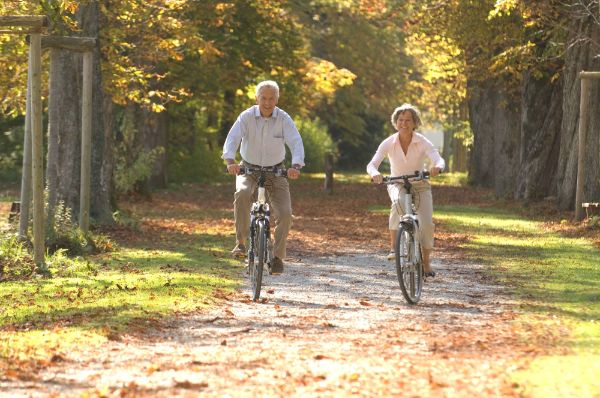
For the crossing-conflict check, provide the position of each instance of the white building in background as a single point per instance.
(435, 135)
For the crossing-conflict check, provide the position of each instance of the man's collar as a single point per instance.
(257, 112)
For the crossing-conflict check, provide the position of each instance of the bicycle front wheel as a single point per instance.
(260, 251)
(408, 264)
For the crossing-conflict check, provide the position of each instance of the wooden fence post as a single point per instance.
(583, 126)
(86, 143)
(26, 172)
(37, 150)
(328, 172)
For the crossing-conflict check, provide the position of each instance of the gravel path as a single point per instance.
(328, 327)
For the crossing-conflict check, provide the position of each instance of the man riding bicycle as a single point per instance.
(261, 132)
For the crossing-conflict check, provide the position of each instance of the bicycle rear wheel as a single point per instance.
(409, 266)
(259, 259)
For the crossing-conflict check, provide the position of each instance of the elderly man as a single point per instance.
(261, 132)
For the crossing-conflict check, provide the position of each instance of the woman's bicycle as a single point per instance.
(409, 260)
(259, 248)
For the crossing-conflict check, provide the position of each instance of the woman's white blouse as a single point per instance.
(419, 149)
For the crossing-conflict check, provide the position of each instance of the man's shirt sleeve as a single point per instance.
(233, 140)
(293, 140)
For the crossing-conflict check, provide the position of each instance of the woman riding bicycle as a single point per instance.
(407, 151)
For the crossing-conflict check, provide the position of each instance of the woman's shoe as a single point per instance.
(430, 274)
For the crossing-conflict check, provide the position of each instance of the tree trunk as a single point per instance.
(153, 131)
(481, 167)
(228, 116)
(495, 123)
(447, 151)
(540, 137)
(102, 200)
(64, 128)
(582, 54)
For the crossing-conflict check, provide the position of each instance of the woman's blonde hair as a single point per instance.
(416, 115)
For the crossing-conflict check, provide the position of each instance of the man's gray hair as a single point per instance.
(267, 83)
(416, 115)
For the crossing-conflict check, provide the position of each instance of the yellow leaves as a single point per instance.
(222, 7)
(69, 6)
(503, 7)
(326, 77)
(157, 108)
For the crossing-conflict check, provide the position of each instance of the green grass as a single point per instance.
(451, 179)
(555, 276)
(345, 178)
(130, 290)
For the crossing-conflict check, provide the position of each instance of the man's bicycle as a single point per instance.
(409, 259)
(259, 248)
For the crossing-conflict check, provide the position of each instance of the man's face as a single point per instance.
(266, 100)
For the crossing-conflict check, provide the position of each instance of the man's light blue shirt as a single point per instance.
(263, 139)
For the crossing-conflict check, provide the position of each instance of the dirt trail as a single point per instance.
(328, 327)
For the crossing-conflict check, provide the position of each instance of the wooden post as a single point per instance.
(583, 126)
(85, 45)
(86, 143)
(37, 150)
(26, 172)
(328, 173)
(34, 23)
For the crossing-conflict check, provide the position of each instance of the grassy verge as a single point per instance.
(551, 268)
(555, 276)
(174, 263)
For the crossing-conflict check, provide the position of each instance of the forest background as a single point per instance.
(500, 78)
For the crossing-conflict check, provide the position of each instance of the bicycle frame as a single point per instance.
(260, 228)
(409, 262)
(259, 213)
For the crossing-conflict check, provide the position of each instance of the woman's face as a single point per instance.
(405, 122)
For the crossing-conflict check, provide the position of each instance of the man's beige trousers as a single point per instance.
(278, 193)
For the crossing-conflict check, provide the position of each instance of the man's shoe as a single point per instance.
(239, 251)
(276, 266)
(391, 255)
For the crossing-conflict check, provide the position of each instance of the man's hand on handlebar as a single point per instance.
(293, 173)
(233, 169)
(377, 179)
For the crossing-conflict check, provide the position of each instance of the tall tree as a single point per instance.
(582, 52)
(64, 116)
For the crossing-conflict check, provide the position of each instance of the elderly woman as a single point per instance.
(407, 150)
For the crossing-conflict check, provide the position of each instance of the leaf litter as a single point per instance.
(334, 324)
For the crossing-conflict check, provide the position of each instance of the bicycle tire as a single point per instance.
(409, 266)
(260, 257)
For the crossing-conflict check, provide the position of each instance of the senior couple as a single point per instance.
(261, 134)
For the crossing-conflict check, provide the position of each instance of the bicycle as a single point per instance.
(259, 248)
(409, 259)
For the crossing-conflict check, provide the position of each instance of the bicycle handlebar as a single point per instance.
(277, 171)
(417, 176)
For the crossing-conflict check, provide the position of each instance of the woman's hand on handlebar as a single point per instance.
(434, 171)
(233, 169)
(377, 179)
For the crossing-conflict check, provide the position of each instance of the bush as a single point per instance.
(15, 261)
(317, 143)
(63, 234)
(199, 165)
